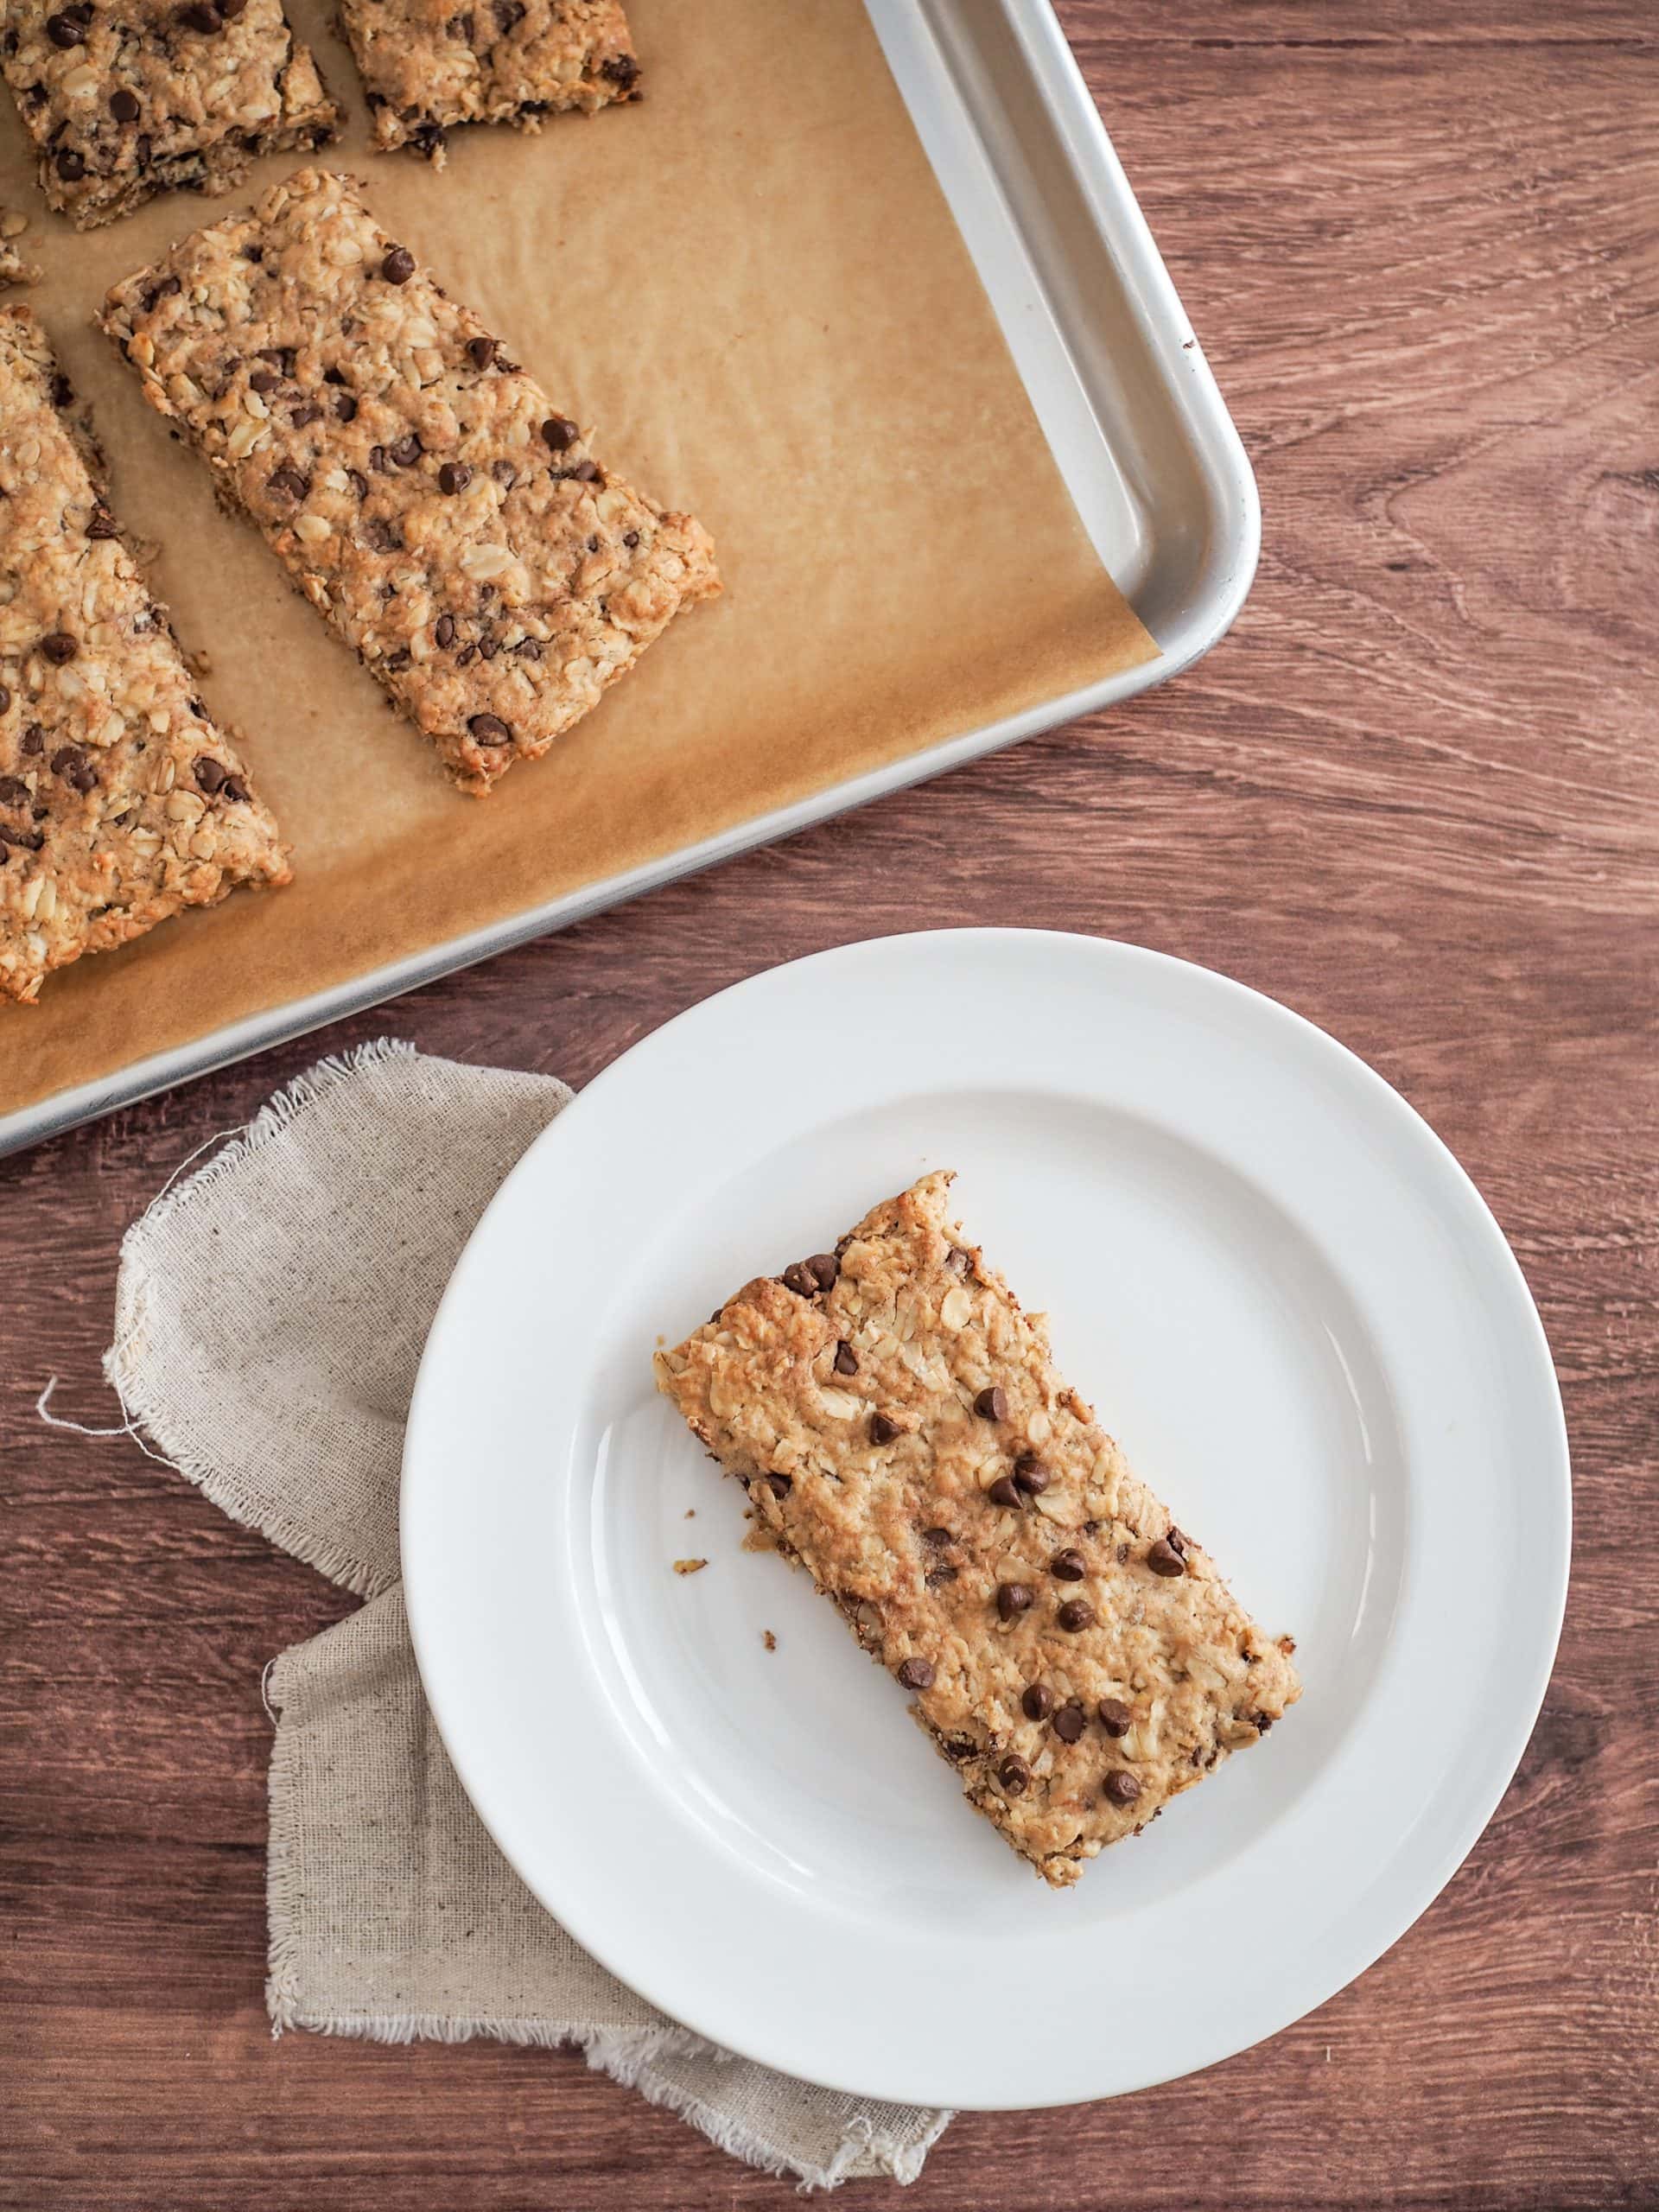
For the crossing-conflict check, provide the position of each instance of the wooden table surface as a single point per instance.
(1415, 794)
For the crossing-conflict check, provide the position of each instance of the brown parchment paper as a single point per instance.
(750, 283)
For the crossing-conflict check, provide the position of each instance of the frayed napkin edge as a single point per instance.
(123, 1362)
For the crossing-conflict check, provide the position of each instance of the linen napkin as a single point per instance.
(270, 1316)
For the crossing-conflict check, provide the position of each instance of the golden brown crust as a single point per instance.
(157, 95)
(420, 490)
(121, 801)
(904, 1434)
(427, 65)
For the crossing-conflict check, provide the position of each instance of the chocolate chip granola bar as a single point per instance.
(417, 484)
(121, 800)
(903, 1434)
(126, 101)
(427, 65)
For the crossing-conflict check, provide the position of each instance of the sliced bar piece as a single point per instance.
(126, 101)
(418, 487)
(903, 1434)
(121, 801)
(428, 64)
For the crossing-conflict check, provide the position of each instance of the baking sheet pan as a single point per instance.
(795, 345)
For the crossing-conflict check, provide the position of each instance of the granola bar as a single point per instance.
(124, 102)
(417, 484)
(430, 64)
(903, 1434)
(122, 802)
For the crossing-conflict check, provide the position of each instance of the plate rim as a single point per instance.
(1554, 1465)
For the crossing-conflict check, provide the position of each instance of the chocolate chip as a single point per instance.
(345, 407)
(1123, 1554)
(780, 1485)
(992, 1403)
(229, 9)
(285, 357)
(235, 789)
(64, 31)
(798, 1277)
(407, 451)
(5, 698)
(202, 19)
(480, 352)
(123, 105)
(307, 412)
(1075, 1615)
(622, 70)
(1115, 1717)
(1030, 1474)
(210, 773)
(399, 661)
(846, 1358)
(1002, 1493)
(466, 656)
(1037, 1701)
(917, 1674)
(102, 524)
(76, 770)
(253, 253)
(1163, 1558)
(399, 266)
(1261, 1722)
(59, 647)
(1070, 1723)
(824, 1267)
(33, 739)
(1012, 1598)
(69, 164)
(882, 1431)
(444, 635)
(559, 431)
(263, 380)
(490, 729)
(1014, 1774)
(287, 483)
(938, 1536)
(1068, 1565)
(939, 1576)
(629, 539)
(1122, 1788)
(454, 476)
(957, 1260)
(1176, 1541)
(14, 792)
(584, 472)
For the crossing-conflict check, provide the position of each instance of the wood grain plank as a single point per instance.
(1415, 794)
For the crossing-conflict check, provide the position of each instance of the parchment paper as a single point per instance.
(752, 286)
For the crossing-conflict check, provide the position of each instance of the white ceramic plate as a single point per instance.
(1284, 1297)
